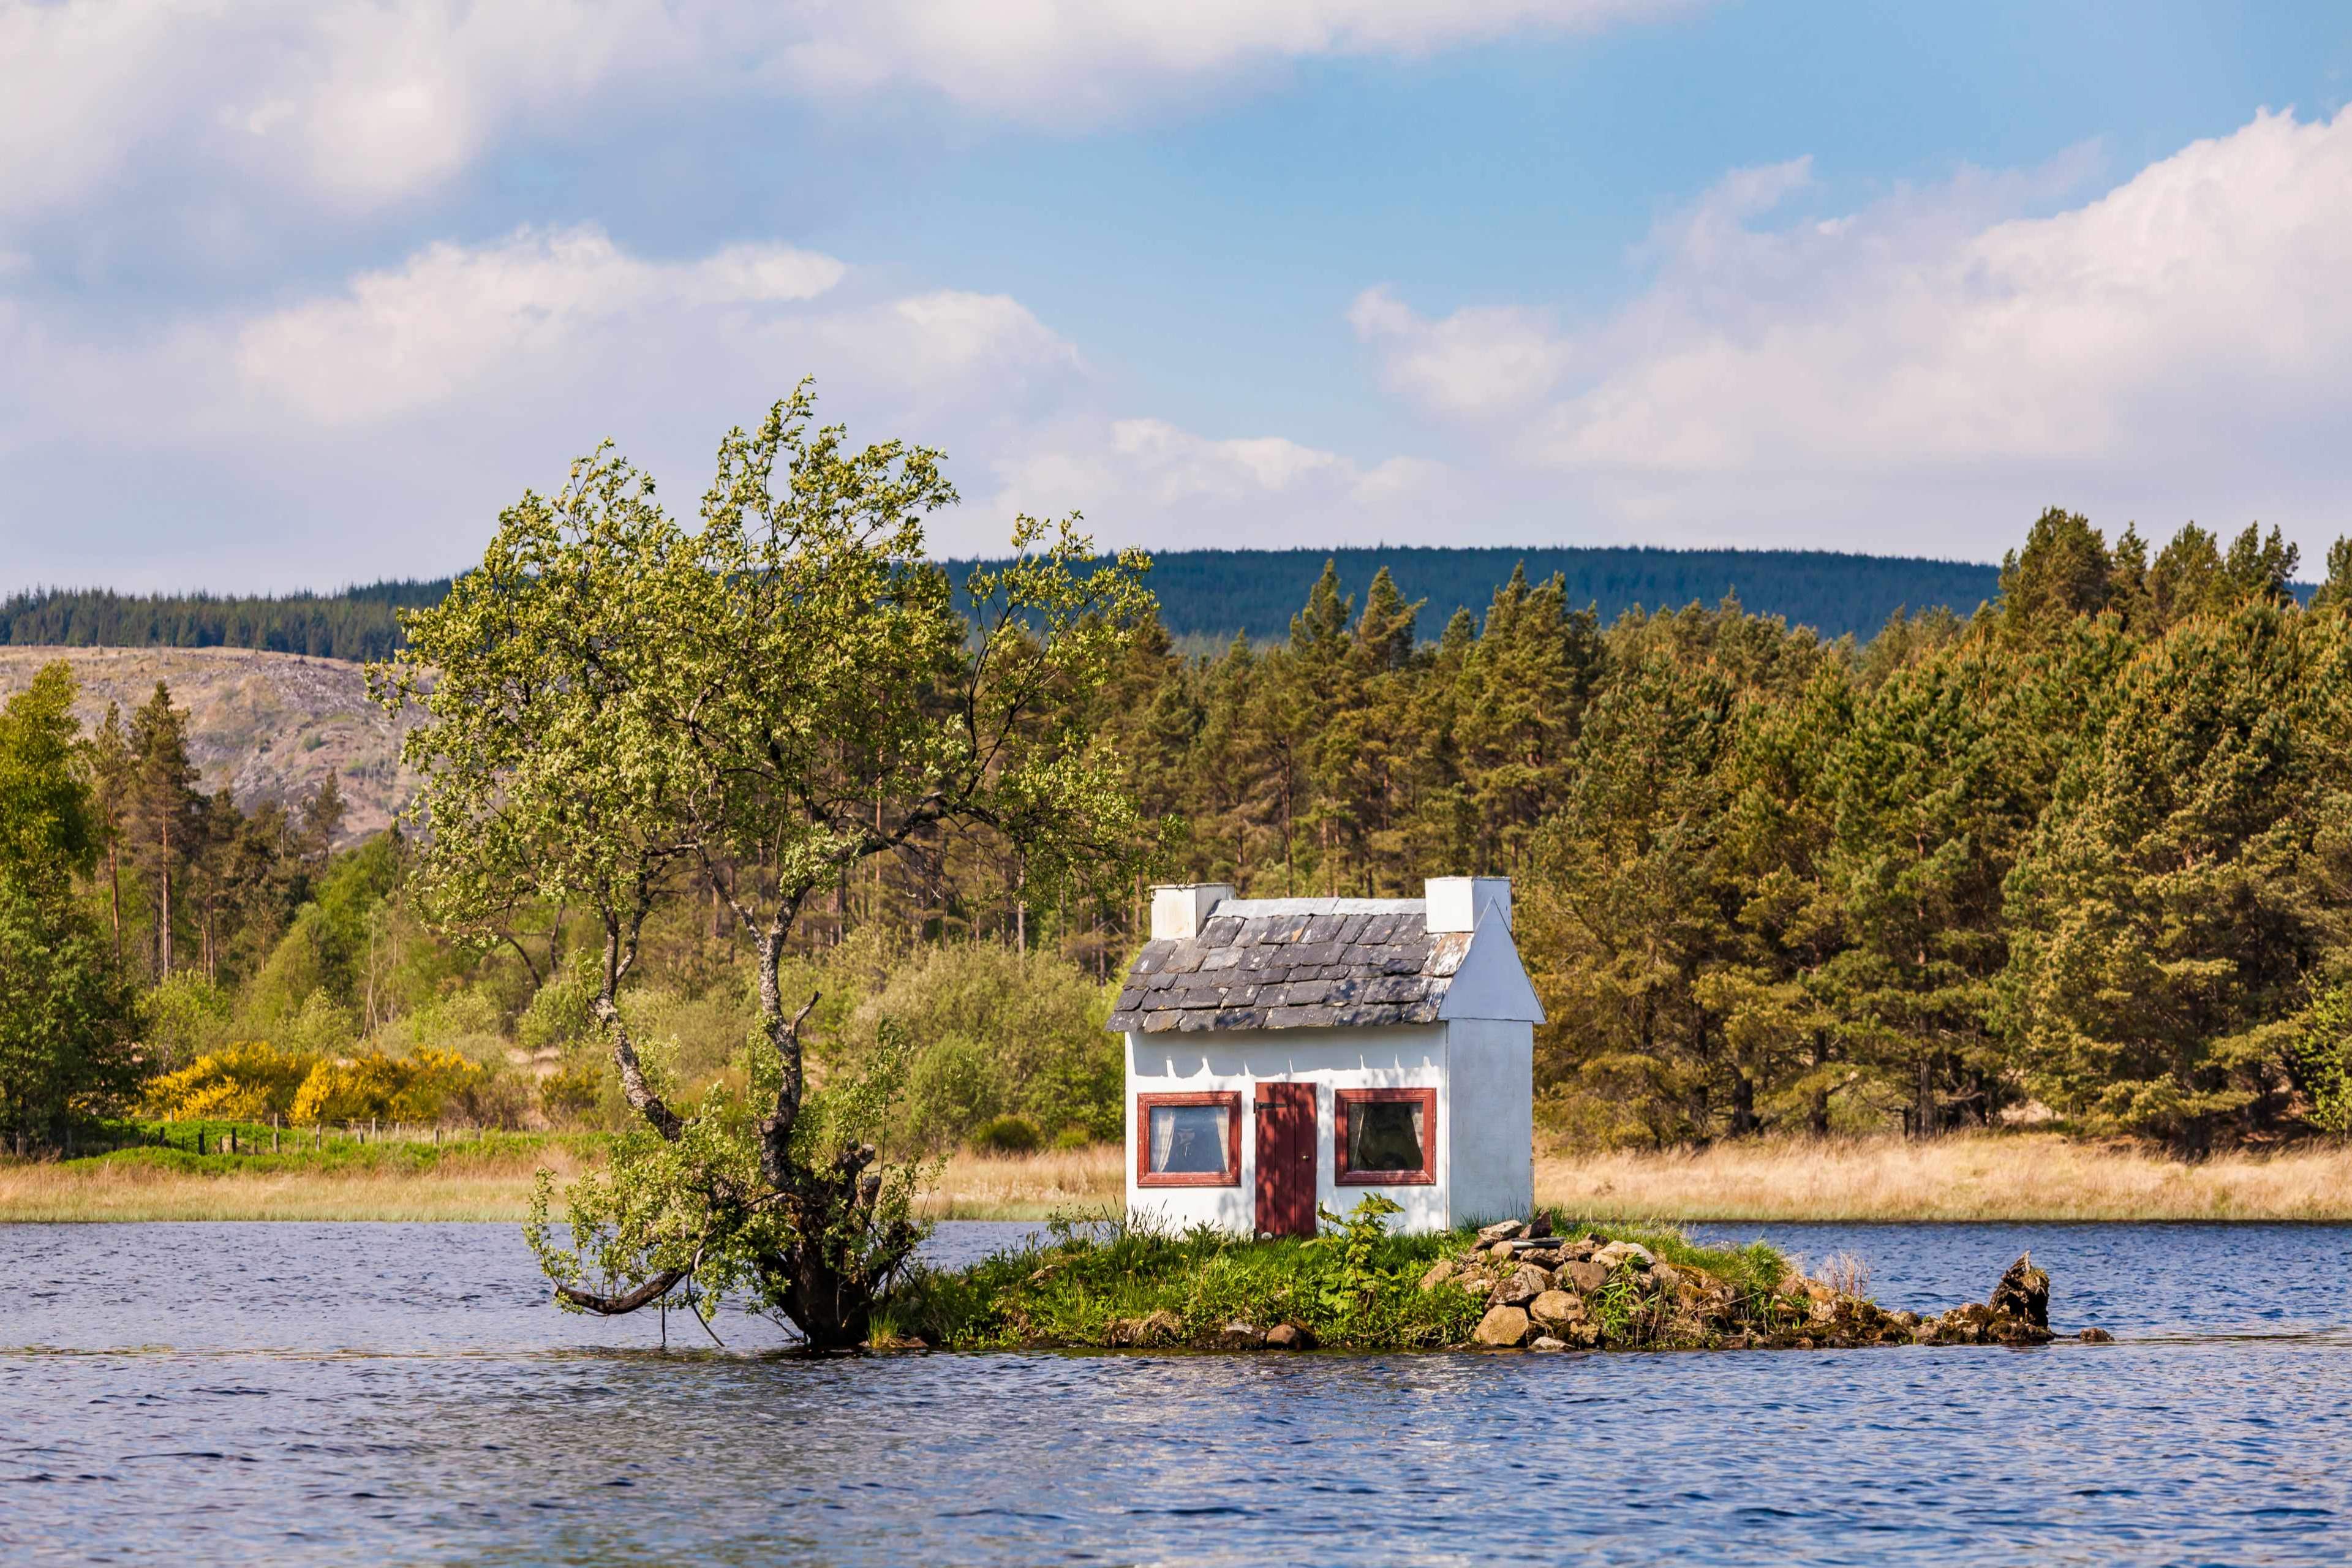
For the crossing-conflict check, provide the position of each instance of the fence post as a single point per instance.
(200, 1141)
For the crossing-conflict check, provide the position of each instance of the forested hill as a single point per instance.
(356, 623)
(1220, 592)
(1202, 592)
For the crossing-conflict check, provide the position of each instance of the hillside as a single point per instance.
(1220, 592)
(1203, 594)
(268, 725)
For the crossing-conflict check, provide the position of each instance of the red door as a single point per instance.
(1285, 1159)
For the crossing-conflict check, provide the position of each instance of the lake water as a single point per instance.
(392, 1394)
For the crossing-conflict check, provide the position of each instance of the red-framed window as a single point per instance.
(1188, 1139)
(1384, 1137)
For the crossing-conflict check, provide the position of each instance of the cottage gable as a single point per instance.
(1289, 964)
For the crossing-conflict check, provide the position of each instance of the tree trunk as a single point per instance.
(1818, 1117)
(164, 918)
(1743, 1106)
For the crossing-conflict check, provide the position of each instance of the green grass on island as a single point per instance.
(1115, 1284)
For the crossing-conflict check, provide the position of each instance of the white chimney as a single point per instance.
(1459, 903)
(1180, 912)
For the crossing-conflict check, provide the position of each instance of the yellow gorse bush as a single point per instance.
(246, 1080)
(414, 1088)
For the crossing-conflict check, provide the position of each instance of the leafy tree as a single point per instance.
(63, 1008)
(621, 706)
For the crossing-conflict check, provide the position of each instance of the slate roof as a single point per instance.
(1294, 964)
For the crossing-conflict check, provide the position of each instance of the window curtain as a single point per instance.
(1386, 1135)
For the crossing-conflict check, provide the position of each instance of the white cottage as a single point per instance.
(1283, 1053)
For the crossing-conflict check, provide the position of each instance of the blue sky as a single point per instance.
(301, 294)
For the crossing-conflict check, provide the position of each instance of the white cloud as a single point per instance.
(376, 428)
(1061, 62)
(1477, 361)
(359, 104)
(421, 336)
(2173, 348)
(1147, 480)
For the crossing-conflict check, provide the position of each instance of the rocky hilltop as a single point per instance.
(267, 725)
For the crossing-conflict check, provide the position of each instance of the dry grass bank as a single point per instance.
(1991, 1177)
(2037, 1177)
(1027, 1186)
(495, 1186)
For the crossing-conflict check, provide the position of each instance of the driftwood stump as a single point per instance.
(2023, 1292)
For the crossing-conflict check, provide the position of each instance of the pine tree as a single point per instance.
(2062, 571)
(111, 773)
(167, 814)
(2185, 883)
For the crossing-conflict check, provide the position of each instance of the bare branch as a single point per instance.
(776, 1128)
(537, 979)
(652, 1291)
(634, 1087)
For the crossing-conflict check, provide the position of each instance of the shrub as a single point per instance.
(1007, 1135)
(570, 1093)
(2323, 1053)
(953, 1089)
(185, 1017)
(995, 1034)
(248, 1080)
(559, 1014)
(1074, 1137)
(418, 1088)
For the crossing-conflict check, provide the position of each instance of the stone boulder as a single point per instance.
(1503, 1230)
(1502, 1327)
(1584, 1276)
(1289, 1337)
(1445, 1271)
(1239, 1336)
(1547, 1342)
(1556, 1310)
(1521, 1286)
(1619, 1253)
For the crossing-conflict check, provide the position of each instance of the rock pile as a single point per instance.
(1553, 1293)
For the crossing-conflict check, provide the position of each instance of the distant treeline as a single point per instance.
(356, 623)
(1210, 594)
(1221, 592)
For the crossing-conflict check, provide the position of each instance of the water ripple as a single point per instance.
(402, 1394)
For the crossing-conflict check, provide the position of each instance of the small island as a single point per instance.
(1536, 1285)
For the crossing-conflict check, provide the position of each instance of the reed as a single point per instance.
(1995, 1177)
(1988, 1177)
(489, 1183)
(1027, 1186)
